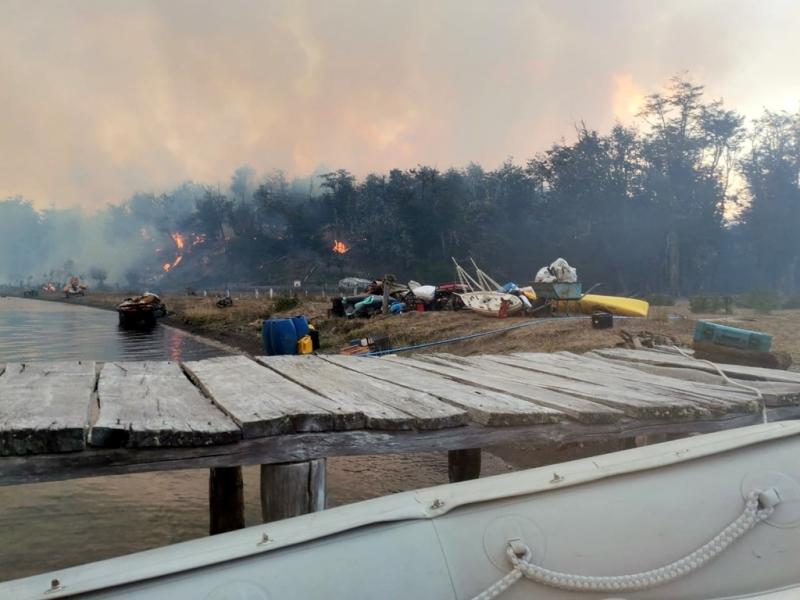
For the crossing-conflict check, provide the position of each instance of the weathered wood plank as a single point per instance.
(666, 359)
(616, 398)
(484, 406)
(385, 405)
(714, 396)
(307, 446)
(773, 393)
(45, 407)
(577, 408)
(154, 404)
(265, 403)
(649, 388)
(637, 402)
(225, 499)
(292, 489)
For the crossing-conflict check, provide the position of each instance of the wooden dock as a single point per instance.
(80, 419)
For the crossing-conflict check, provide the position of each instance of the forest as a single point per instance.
(689, 199)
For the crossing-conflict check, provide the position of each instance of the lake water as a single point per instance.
(48, 526)
(33, 330)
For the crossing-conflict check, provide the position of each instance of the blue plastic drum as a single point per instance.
(279, 336)
(300, 326)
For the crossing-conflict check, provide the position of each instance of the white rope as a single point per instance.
(730, 381)
(758, 506)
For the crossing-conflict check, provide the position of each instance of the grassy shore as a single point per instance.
(239, 326)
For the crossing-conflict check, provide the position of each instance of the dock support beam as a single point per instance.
(292, 489)
(226, 499)
(463, 465)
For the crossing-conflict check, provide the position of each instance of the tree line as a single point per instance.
(690, 199)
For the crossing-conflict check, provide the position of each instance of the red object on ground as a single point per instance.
(420, 306)
(503, 312)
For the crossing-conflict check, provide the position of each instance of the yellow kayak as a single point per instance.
(616, 305)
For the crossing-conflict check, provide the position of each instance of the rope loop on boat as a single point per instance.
(759, 505)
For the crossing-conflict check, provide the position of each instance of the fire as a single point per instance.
(340, 247)
(179, 239)
(180, 243)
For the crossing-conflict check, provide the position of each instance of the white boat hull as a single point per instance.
(489, 303)
(609, 515)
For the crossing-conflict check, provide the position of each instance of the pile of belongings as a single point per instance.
(558, 272)
(74, 287)
(402, 298)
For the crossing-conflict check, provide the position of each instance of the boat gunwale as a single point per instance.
(424, 504)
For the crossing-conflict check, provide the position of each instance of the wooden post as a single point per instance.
(226, 499)
(463, 465)
(385, 305)
(292, 489)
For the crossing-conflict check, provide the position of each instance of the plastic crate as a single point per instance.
(733, 337)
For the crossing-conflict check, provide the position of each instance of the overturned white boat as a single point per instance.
(712, 516)
(490, 304)
(485, 296)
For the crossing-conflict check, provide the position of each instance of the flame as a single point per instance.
(180, 243)
(179, 239)
(340, 247)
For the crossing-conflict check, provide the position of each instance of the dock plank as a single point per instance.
(45, 407)
(385, 405)
(715, 396)
(773, 393)
(633, 403)
(663, 391)
(153, 404)
(579, 409)
(665, 359)
(264, 403)
(484, 406)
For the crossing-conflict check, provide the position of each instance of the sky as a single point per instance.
(103, 98)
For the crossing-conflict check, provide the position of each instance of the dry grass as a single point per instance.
(240, 326)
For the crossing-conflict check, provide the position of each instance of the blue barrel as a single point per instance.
(266, 333)
(279, 337)
(300, 326)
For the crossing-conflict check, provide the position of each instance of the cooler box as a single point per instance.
(733, 337)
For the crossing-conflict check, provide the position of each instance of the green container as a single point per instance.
(557, 291)
(732, 337)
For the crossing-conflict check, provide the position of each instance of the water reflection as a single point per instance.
(33, 330)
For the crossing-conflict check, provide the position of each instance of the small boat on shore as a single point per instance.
(710, 516)
(489, 304)
(484, 295)
(141, 311)
(616, 305)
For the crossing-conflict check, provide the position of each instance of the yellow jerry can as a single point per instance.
(305, 345)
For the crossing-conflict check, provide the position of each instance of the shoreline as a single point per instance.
(227, 341)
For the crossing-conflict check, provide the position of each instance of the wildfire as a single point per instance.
(340, 247)
(180, 243)
(179, 239)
